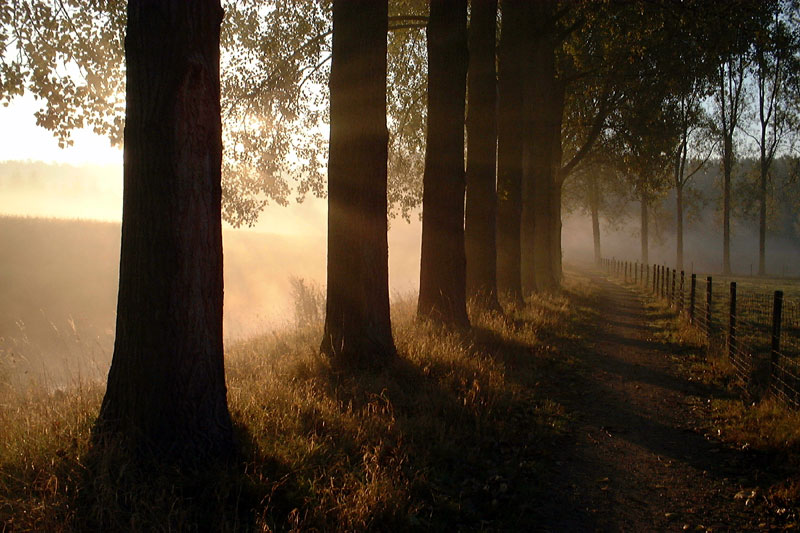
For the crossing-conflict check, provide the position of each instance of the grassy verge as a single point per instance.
(747, 420)
(451, 435)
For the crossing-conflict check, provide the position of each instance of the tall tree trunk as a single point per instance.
(538, 180)
(727, 164)
(594, 206)
(357, 325)
(557, 109)
(166, 388)
(509, 151)
(679, 224)
(762, 212)
(481, 205)
(442, 287)
(645, 231)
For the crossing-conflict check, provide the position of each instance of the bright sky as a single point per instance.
(22, 139)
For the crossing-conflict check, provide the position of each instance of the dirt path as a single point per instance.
(634, 459)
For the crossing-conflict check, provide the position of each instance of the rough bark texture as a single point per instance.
(679, 229)
(442, 287)
(762, 211)
(556, 121)
(644, 230)
(481, 204)
(509, 151)
(357, 324)
(594, 206)
(538, 179)
(166, 388)
(727, 168)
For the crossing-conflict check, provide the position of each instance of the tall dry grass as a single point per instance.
(449, 435)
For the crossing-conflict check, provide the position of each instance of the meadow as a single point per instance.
(450, 434)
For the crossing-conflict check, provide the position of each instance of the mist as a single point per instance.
(60, 233)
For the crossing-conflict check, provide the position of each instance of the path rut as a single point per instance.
(635, 458)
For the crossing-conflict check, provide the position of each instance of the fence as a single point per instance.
(758, 329)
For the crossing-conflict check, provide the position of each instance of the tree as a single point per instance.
(357, 324)
(597, 189)
(442, 287)
(729, 98)
(543, 114)
(774, 71)
(645, 137)
(481, 204)
(509, 151)
(692, 138)
(166, 387)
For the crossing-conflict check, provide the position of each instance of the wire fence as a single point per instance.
(758, 329)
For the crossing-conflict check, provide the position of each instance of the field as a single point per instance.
(532, 420)
(58, 282)
(450, 435)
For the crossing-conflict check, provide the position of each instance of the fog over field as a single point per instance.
(59, 232)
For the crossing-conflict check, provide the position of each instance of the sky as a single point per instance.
(22, 139)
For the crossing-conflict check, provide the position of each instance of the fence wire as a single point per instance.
(744, 330)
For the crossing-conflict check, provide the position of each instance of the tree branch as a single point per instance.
(594, 133)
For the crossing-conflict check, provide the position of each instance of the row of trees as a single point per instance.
(574, 80)
(737, 95)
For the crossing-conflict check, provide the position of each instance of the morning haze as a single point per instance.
(399, 265)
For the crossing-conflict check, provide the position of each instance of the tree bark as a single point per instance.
(762, 209)
(509, 151)
(538, 178)
(727, 167)
(442, 290)
(358, 329)
(481, 205)
(594, 206)
(166, 390)
(645, 231)
(679, 224)
(556, 121)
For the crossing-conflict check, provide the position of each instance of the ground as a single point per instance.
(636, 456)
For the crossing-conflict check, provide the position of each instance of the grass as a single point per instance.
(745, 417)
(451, 435)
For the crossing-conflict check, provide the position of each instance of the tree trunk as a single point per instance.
(166, 388)
(645, 231)
(762, 213)
(442, 288)
(538, 180)
(679, 224)
(357, 325)
(594, 206)
(557, 109)
(727, 164)
(481, 205)
(509, 151)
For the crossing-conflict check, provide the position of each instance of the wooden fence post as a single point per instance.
(680, 299)
(732, 323)
(672, 290)
(709, 316)
(777, 311)
(655, 275)
(692, 293)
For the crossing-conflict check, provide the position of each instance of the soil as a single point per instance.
(636, 456)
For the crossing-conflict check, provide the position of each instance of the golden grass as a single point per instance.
(745, 417)
(435, 440)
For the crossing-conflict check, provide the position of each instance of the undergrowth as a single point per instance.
(746, 417)
(450, 435)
